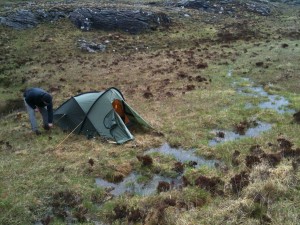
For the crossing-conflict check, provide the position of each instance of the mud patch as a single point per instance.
(68, 206)
(243, 126)
(163, 186)
(146, 160)
(9, 106)
(297, 117)
(272, 159)
(239, 181)
(213, 185)
(235, 161)
(284, 144)
(252, 160)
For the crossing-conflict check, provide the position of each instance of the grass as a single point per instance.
(43, 178)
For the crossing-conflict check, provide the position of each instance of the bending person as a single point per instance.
(37, 99)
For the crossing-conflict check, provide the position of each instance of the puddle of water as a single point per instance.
(274, 102)
(182, 155)
(229, 74)
(105, 184)
(130, 185)
(251, 132)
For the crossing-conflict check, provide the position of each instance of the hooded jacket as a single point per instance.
(35, 97)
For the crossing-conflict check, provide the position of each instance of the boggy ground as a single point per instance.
(177, 79)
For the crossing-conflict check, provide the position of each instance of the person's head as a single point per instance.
(47, 99)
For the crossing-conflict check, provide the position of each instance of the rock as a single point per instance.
(23, 19)
(197, 4)
(132, 21)
(91, 46)
(227, 6)
(259, 8)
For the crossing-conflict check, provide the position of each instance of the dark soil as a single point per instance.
(185, 181)
(291, 152)
(163, 186)
(284, 143)
(212, 185)
(234, 160)
(91, 162)
(135, 215)
(273, 159)
(239, 181)
(192, 164)
(297, 117)
(178, 167)
(242, 127)
(146, 160)
(120, 212)
(66, 204)
(252, 160)
(256, 150)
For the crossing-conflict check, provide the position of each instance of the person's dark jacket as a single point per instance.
(36, 97)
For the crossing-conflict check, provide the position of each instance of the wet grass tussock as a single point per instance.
(189, 82)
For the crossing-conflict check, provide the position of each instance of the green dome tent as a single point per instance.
(99, 113)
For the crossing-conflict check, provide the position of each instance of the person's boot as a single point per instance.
(46, 127)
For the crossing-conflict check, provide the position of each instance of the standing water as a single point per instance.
(251, 132)
(131, 185)
(182, 155)
(273, 102)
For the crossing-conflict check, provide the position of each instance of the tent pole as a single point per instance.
(68, 135)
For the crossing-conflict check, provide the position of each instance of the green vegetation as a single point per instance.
(46, 178)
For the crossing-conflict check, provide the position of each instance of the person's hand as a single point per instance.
(36, 109)
(50, 125)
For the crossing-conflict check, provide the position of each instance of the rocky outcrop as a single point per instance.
(227, 6)
(132, 21)
(259, 8)
(23, 19)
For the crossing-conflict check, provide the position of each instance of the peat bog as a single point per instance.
(217, 80)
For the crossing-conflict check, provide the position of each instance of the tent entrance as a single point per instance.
(119, 108)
